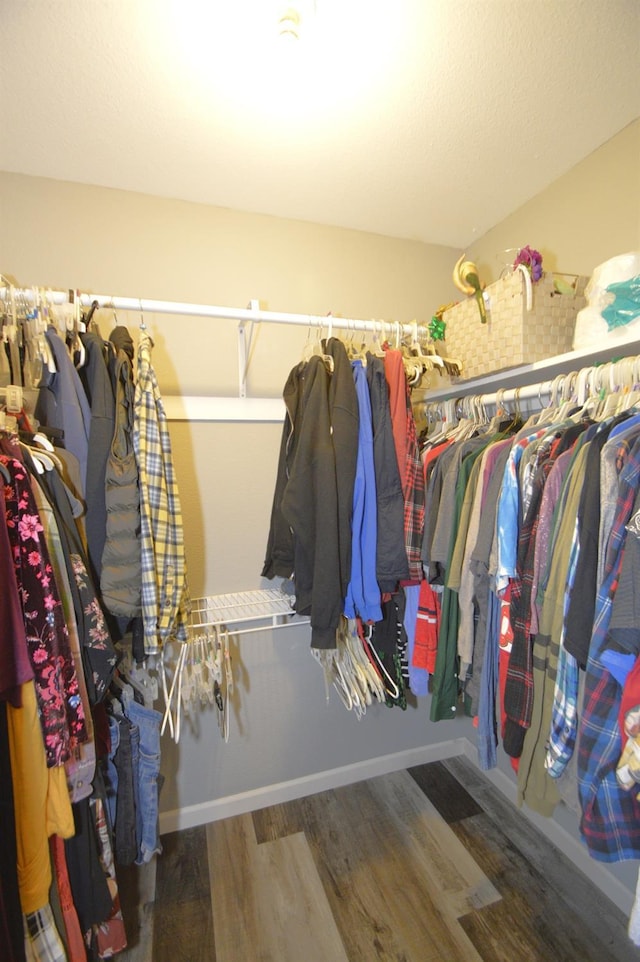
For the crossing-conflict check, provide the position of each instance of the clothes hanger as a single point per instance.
(316, 347)
(140, 679)
(371, 678)
(43, 365)
(172, 694)
(88, 317)
(355, 352)
(633, 397)
(74, 325)
(550, 413)
(123, 691)
(388, 682)
(308, 346)
(376, 347)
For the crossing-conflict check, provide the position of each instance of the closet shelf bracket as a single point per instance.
(242, 611)
(244, 348)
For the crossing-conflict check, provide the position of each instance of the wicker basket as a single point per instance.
(513, 335)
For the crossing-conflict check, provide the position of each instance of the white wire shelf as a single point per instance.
(245, 608)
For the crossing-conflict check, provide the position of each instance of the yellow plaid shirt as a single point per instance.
(165, 595)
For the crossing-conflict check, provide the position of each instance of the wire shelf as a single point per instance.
(245, 607)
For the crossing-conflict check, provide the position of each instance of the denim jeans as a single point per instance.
(125, 821)
(111, 772)
(147, 721)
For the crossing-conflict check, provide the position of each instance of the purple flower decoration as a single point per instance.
(532, 260)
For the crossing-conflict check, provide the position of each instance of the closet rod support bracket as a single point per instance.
(244, 349)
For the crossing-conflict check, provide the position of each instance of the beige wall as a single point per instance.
(585, 217)
(68, 235)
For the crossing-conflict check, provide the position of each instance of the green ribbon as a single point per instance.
(437, 328)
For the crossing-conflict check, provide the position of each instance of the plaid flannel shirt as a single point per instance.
(610, 821)
(564, 714)
(42, 939)
(508, 513)
(414, 497)
(518, 694)
(165, 597)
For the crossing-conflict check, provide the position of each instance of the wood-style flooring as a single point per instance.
(426, 865)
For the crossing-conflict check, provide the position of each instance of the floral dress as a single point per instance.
(98, 652)
(59, 704)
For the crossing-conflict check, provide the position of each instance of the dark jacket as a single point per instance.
(97, 383)
(344, 417)
(391, 565)
(310, 506)
(279, 554)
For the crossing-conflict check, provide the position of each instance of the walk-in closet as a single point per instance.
(318, 631)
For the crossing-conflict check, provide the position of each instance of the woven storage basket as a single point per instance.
(513, 335)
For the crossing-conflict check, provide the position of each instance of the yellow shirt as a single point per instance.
(41, 801)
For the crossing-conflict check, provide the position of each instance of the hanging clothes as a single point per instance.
(121, 561)
(409, 463)
(165, 596)
(363, 592)
(96, 381)
(611, 817)
(392, 566)
(63, 405)
(310, 506)
(345, 412)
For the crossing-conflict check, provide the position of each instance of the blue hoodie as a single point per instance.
(363, 593)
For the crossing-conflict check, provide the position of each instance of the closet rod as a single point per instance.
(524, 393)
(617, 374)
(144, 305)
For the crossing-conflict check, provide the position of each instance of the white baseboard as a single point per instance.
(570, 846)
(254, 799)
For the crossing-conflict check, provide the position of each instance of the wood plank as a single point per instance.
(234, 895)
(137, 886)
(295, 917)
(183, 932)
(363, 915)
(458, 883)
(570, 886)
(539, 911)
(183, 920)
(183, 868)
(269, 904)
(450, 798)
(510, 930)
(384, 905)
(276, 821)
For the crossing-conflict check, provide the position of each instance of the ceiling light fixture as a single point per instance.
(293, 16)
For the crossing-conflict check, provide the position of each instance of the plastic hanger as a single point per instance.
(172, 694)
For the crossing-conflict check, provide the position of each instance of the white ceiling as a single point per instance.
(425, 119)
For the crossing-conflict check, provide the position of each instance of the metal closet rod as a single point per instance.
(615, 375)
(524, 393)
(143, 305)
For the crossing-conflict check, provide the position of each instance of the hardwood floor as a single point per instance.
(426, 865)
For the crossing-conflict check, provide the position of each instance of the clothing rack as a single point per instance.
(242, 408)
(243, 315)
(540, 373)
(621, 374)
(245, 607)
